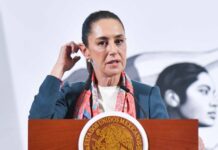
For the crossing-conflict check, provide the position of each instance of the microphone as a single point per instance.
(128, 91)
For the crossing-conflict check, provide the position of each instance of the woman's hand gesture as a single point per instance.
(65, 61)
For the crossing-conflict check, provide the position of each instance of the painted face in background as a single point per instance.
(201, 102)
(107, 47)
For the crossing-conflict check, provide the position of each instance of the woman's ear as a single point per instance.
(85, 51)
(171, 98)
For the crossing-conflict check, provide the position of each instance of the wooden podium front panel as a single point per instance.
(64, 134)
(171, 134)
(54, 134)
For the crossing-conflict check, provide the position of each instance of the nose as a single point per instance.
(112, 48)
(214, 102)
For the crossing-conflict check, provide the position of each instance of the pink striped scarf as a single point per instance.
(125, 101)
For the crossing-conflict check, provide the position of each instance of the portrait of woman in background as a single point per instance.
(189, 92)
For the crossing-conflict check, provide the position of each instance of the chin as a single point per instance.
(113, 72)
(208, 123)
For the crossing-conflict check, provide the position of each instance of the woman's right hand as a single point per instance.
(65, 62)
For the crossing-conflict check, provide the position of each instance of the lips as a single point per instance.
(113, 61)
(212, 114)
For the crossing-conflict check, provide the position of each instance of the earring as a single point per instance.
(89, 60)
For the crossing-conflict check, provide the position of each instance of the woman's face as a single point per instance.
(201, 102)
(107, 47)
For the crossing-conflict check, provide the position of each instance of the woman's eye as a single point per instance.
(119, 41)
(204, 91)
(102, 43)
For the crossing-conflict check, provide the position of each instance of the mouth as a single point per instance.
(113, 61)
(212, 114)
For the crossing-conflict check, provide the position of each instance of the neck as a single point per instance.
(108, 81)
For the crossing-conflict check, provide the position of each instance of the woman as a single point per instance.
(189, 92)
(107, 88)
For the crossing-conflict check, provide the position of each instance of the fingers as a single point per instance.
(73, 47)
(68, 49)
(81, 46)
(75, 59)
(65, 61)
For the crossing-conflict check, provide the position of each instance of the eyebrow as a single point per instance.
(208, 87)
(204, 86)
(106, 38)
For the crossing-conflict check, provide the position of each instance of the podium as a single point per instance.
(64, 134)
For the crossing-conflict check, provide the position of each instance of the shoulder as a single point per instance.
(146, 90)
(73, 87)
(142, 88)
(149, 100)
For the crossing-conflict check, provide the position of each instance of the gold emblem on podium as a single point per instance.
(112, 132)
